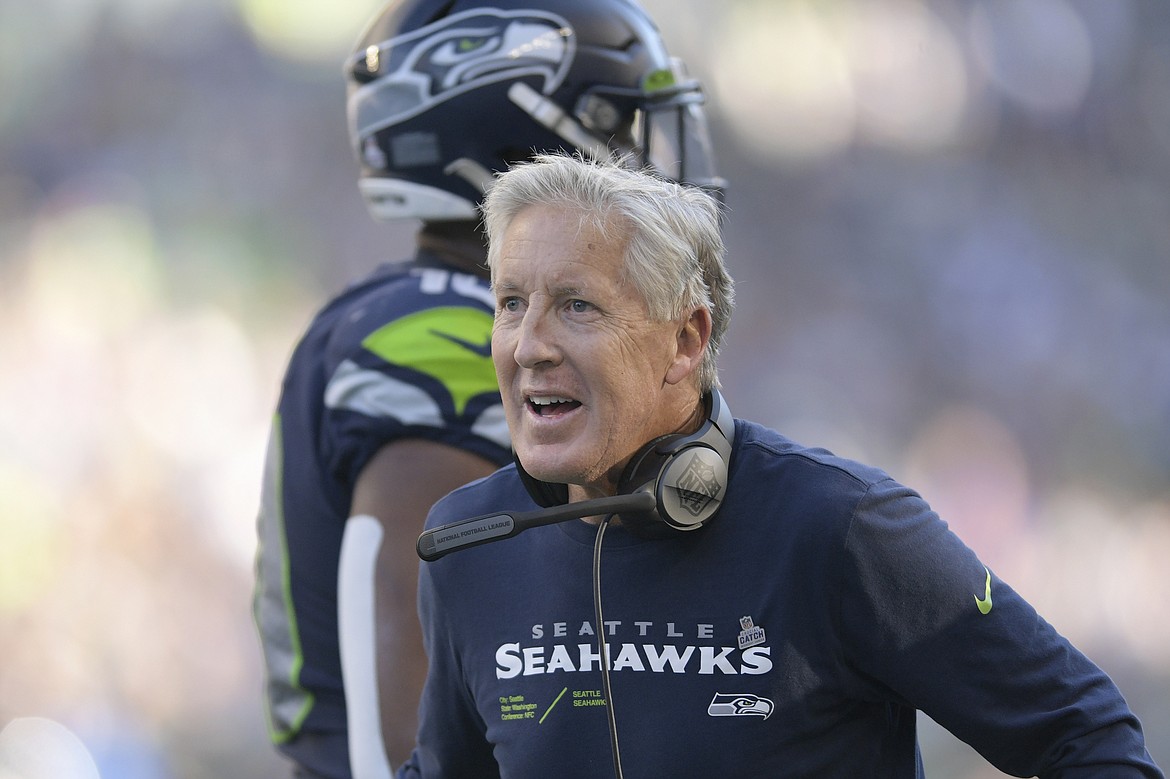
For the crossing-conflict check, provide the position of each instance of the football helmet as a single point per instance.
(443, 94)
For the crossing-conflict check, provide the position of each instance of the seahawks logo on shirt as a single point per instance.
(741, 705)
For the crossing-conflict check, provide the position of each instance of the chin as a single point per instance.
(545, 466)
(550, 474)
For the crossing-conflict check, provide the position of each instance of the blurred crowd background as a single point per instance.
(949, 223)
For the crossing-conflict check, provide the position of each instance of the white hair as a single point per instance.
(675, 256)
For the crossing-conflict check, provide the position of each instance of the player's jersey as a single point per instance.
(793, 635)
(402, 353)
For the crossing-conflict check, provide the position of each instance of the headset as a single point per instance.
(676, 482)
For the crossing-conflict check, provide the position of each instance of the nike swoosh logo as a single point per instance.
(483, 350)
(984, 603)
(426, 341)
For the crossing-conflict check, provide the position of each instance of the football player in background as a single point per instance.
(390, 399)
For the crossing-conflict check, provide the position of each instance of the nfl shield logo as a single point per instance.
(697, 485)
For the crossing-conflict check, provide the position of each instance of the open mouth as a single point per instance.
(551, 405)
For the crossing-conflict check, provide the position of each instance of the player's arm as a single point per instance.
(381, 645)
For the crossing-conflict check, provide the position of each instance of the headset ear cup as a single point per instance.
(641, 475)
(691, 486)
(641, 472)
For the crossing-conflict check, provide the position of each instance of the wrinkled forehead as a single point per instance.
(580, 221)
(541, 234)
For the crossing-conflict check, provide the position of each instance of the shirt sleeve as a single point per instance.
(426, 375)
(452, 741)
(926, 624)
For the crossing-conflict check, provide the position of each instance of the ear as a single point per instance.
(690, 345)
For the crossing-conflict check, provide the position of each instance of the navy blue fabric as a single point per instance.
(869, 611)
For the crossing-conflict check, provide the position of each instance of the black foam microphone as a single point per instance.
(433, 544)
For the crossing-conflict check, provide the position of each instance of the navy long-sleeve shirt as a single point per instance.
(796, 635)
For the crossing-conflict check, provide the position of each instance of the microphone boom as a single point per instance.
(465, 533)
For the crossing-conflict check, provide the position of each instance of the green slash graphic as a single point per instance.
(550, 706)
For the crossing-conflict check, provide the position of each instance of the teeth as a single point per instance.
(548, 400)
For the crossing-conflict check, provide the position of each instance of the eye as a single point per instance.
(580, 306)
(509, 304)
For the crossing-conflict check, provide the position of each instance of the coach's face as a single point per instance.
(587, 378)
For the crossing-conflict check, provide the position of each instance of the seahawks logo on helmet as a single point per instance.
(414, 72)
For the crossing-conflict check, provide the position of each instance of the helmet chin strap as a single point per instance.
(391, 199)
(549, 114)
(544, 112)
(472, 172)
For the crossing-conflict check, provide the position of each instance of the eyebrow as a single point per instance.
(567, 292)
(505, 287)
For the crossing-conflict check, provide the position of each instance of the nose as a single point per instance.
(536, 340)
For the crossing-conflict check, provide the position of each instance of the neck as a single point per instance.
(459, 243)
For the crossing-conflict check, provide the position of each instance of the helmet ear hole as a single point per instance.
(598, 114)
